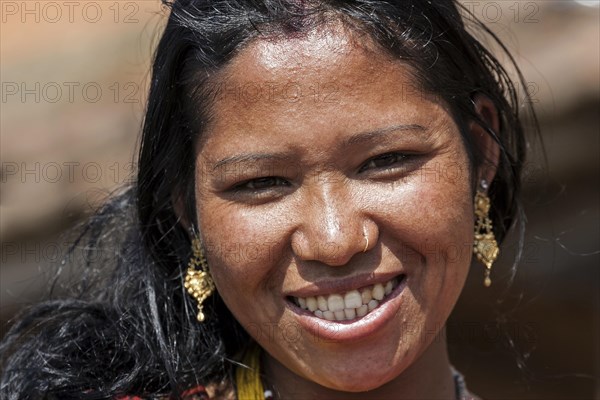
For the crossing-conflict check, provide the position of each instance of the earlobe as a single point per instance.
(485, 142)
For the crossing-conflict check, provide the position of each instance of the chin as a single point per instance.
(360, 380)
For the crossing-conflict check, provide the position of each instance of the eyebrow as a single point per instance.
(370, 135)
(358, 138)
(244, 158)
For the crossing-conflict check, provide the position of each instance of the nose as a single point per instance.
(333, 228)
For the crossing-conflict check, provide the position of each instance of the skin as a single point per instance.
(274, 225)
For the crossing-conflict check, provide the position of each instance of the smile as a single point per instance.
(349, 305)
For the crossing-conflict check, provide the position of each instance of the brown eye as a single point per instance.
(384, 161)
(263, 183)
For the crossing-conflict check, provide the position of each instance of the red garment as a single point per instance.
(197, 393)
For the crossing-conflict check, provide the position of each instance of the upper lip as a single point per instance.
(341, 285)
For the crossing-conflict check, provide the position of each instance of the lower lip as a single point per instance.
(352, 330)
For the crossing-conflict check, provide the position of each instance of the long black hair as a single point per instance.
(128, 327)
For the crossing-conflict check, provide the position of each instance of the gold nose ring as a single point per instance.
(366, 242)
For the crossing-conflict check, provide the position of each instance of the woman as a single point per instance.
(314, 180)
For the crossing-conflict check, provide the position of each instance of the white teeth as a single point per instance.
(388, 287)
(322, 302)
(328, 315)
(352, 299)
(335, 302)
(302, 302)
(373, 304)
(378, 292)
(362, 310)
(311, 303)
(366, 296)
(350, 305)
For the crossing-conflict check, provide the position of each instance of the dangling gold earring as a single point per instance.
(485, 246)
(198, 281)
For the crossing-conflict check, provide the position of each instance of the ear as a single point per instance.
(179, 209)
(486, 144)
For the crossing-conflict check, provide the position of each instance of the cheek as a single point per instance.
(243, 253)
(448, 246)
(431, 212)
(432, 229)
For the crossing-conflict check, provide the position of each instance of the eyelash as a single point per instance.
(395, 157)
(246, 185)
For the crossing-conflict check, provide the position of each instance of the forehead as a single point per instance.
(325, 80)
(328, 55)
(318, 50)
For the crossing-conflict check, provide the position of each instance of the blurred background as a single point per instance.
(73, 82)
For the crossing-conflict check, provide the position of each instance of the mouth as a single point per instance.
(348, 306)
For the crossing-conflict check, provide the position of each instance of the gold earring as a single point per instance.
(485, 246)
(198, 281)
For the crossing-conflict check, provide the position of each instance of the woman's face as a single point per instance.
(315, 142)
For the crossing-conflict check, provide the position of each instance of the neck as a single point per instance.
(429, 377)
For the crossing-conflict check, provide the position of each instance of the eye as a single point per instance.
(260, 184)
(384, 161)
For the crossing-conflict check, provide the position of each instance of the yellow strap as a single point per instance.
(247, 379)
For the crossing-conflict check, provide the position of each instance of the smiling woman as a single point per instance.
(317, 175)
(360, 159)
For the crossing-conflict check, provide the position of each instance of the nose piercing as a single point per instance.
(367, 241)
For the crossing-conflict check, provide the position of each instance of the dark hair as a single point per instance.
(131, 328)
